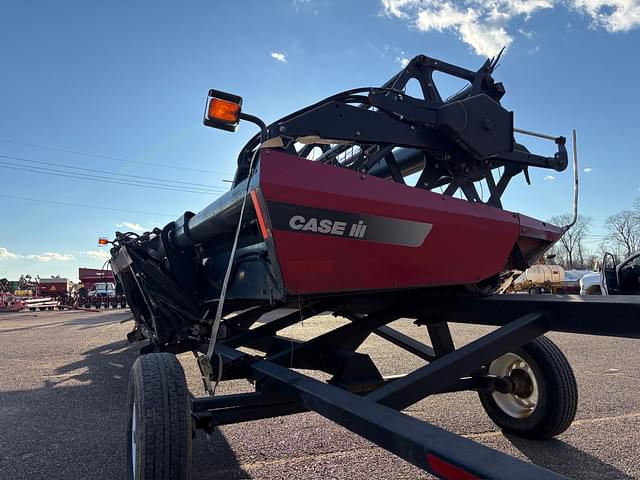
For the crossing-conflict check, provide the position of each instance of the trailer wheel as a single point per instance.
(546, 395)
(159, 432)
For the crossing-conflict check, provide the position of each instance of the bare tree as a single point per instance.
(557, 255)
(624, 231)
(571, 244)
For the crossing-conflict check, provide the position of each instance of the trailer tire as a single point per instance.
(159, 430)
(553, 387)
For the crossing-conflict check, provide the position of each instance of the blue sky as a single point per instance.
(127, 81)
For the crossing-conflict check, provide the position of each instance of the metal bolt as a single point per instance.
(413, 127)
(357, 133)
(282, 129)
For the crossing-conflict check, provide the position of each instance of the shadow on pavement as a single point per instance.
(74, 427)
(565, 459)
(213, 459)
(91, 320)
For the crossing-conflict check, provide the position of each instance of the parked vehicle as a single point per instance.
(90, 276)
(102, 289)
(590, 284)
(614, 278)
(544, 278)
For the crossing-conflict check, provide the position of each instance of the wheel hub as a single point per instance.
(521, 402)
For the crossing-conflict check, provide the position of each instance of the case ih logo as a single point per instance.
(325, 225)
(372, 228)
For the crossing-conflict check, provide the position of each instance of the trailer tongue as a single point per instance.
(349, 206)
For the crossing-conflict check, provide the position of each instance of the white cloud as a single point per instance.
(549, 177)
(481, 25)
(612, 15)
(100, 254)
(524, 33)
(41, 257)
(51, 256)
(279, 56)
(134, 227)
(6, 254)
(484, 24)
(588, 170)
(396, 7)
(444, 15)
(403, 61)
(484, 39)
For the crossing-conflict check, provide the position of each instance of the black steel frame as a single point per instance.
(457, 142)
(361, 400)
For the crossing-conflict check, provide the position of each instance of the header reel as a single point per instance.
(452, 143)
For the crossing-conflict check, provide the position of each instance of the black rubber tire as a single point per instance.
(557, 394)
(158, 388)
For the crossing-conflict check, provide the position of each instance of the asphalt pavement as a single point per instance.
(63, 385)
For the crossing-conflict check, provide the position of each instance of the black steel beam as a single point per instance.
(274, 326)
(272, 344)
(446, 370)
(440, 336)
(228, 416)
(245, 319)
(433, 449)
(227, 401)
(614, 316)
(406, 342)
(348, 337)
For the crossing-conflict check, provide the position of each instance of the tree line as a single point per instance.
(622, 238)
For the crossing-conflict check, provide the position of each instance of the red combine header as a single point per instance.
(372, 205)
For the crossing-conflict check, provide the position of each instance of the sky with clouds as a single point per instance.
(487, 26)
(102, 102)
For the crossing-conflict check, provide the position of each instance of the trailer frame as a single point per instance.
(178, 276)
(359, 399)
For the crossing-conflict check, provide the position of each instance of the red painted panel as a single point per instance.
(53, 288)
(444, 469)
(467, 243)
(89, 276)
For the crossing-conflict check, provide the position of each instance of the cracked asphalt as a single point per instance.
(63, 383)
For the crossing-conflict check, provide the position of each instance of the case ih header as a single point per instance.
(347, 206)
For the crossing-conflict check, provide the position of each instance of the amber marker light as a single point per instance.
(224, 110)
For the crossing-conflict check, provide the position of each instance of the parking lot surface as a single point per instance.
(63, 385)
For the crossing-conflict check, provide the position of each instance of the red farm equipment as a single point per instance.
(349, 206)
(99, 289)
